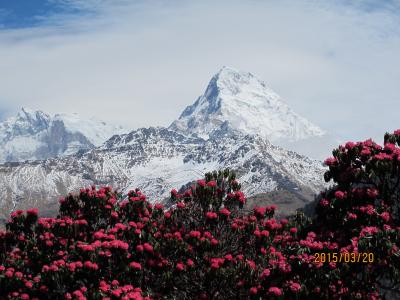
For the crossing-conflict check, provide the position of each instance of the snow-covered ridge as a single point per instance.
(157, 160)
(32, 135)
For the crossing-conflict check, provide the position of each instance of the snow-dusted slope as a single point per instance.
(35, 135)
(248, 105)
(96, 131)
(156, 160)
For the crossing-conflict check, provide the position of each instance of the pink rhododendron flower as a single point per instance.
(211, 215)
(253, 291)
(330, 161)
(211, 183)
(295, 287)
(275, 291)
(225, 212)
(180, 266)
(340, 195)
(135, 265)
(324, 202)
(201, 183)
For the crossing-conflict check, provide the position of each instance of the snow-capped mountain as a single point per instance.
(247, 104)
(33, 135)
(235, 125)
(156, 160)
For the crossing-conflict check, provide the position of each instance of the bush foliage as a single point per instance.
(106, 246)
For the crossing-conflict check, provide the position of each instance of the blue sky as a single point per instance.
(334, 62)
(19, 13)
(22, 13)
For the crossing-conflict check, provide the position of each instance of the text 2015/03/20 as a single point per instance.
(346, 257)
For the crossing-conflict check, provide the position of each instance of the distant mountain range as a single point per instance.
(233, 124)
(34, 135)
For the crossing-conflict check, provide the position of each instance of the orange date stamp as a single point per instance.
(344, 257)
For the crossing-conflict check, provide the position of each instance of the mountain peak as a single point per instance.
(29, 121)
(30, 114)
(248, 105)
(230, 81)
(27, 110)
(232, 74)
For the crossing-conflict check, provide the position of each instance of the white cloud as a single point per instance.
(140, 64)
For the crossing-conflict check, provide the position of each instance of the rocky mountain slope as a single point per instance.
(156, 160)
(33, 135)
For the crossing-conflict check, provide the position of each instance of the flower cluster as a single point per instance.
(361, 212)
(105, 245)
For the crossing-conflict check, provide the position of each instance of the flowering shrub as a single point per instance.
(362, 212)
(106, 246)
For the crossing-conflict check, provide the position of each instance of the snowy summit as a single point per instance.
(247, 104)
(241, 102)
